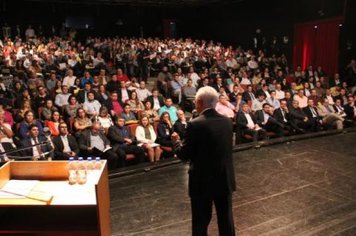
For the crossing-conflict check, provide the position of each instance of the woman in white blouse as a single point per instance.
(146, 136)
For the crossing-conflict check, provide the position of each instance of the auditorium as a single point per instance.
(166, 117)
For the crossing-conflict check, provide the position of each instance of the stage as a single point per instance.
(306, 187)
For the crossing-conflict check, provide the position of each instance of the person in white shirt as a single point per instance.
(279, 92)
(62, 98)
(92, 106)
(258, 103)
(273, 101)
(143, 92)
(146, 136)
(69, 79)
(194, 77)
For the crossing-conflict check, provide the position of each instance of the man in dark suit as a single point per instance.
(247, 124)
(181, 124)
(65, 145)
(82, 95)
(124, 142)
(350, 108)
(300, 118)
(35, 146)
(282, 115)
(93, 142)
(266, 120)
(156, 100)
(211, 173)
(248, 95)
(313, 115)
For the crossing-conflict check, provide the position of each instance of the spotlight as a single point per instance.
(340, 25)
(315, 26)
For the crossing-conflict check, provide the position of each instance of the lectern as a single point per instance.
(36, 199)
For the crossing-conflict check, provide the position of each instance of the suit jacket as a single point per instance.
(179, 127)
(85, 143)
(117, 134)
(28, 150)
(58, 147)
(160, 99)
(242, 120)
(349, 110)
(279, 117)
(211, 171)
(246, 96)
(271, 120)
(297, 114)
(309, 113)
(81, 95)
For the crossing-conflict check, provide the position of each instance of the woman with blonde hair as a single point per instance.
(146, 136)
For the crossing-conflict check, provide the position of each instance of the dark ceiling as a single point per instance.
(156, 3)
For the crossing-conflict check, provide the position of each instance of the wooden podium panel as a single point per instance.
(53, 206)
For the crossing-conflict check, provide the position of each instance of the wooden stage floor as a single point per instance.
(306, 187)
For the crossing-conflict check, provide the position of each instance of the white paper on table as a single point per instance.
(17, 188)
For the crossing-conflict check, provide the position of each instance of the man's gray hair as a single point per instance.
(208, 95)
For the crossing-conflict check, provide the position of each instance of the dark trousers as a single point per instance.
(202, 210)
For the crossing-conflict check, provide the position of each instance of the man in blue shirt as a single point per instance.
(172, 110)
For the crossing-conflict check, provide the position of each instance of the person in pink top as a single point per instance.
(224, 107)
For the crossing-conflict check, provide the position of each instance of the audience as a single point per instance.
(58, 77)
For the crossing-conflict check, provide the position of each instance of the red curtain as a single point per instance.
(317, 44)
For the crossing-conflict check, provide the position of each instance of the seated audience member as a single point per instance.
(299, 118)
(282, 115)
(6, 141)
(350, 108)
(62, 98)
(163, 79)
(224, 107)
(124, 94)
(48, 110)
(35, 146)
(168, 107)
(93, 142)
(338, 108)
(258, 103)
(86, 79)
(329, 96)
(247, 124)
(146, 137)
(280, 94)
(165, 130)
(113, 85)
(265, 119)
(176, 85)
(28, 120)
(151, 113)
(70, 110)
(264, 91)
(313, 115)
(69, 79)
(142, 92)
(25, 96)
(91, 106)
(233, 94)
(135, 104)
(65, 145)
(248, 95)
(7, 116)
(53, 124)
(301, 98)
(124, 142)
(103, 95)
(289, 99)
(82, 95)
(181, 124)
(26, 106)
(189, 90)
(121, 76)
(128, 115)
(114, 105)
(41, 98)
(239, 102)
(156, 100)
(81, 122)
(342, 96)
(273, 101)
(105, 119)
(313, 96)
(330, 118)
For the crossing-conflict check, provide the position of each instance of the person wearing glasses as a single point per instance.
(65, 145)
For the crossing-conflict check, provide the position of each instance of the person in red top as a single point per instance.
(121, 76)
